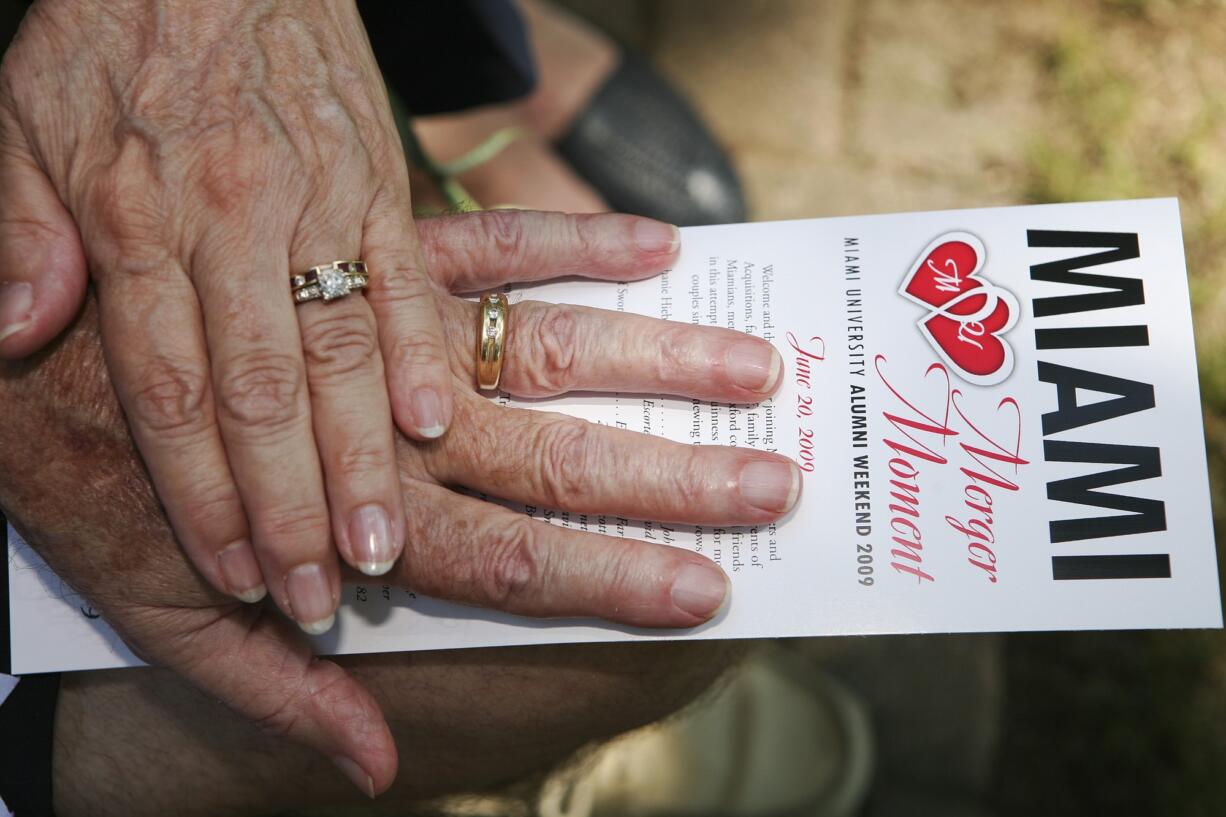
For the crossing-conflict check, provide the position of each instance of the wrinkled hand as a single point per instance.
(195, 155)
(75, 488)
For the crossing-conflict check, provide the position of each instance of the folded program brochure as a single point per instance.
(996, 412)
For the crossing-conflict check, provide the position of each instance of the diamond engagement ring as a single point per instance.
(329, 282)
(494, 314)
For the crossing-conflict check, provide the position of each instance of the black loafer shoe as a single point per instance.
(646, 151)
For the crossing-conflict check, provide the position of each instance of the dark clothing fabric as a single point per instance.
(439, 55)
(452, 55)
(27, 721)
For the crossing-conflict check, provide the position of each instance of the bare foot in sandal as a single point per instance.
(602, 130)
(573, 61)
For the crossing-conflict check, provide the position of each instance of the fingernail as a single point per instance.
(354, 772)
(700, 589)
(428, 413)
(16, 298)
(771, 486)
(753, 365)
(241, 572)
(310, 598)
(370, 536)
(656, 236)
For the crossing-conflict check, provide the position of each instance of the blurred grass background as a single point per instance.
(862, 106)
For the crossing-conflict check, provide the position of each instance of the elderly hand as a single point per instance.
(196, 155)
(64, 435)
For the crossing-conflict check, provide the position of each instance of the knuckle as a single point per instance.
(686, 479)
(304, 693)
(514, 562)
(280, 722)
(565, 451)
(170, 396)
(618, 583)
(399, 284)
(233, 149)
(415, 350)
(262, 390)
(294, 526)
(212, 512)
(340, 346)
(579, 236)
(676, 353)
(350, 107)
(226, 178)
(501, 231)
(123, 200)
(361, 459)
(549, 357)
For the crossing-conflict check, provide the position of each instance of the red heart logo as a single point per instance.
(967, 314)
(945, 269)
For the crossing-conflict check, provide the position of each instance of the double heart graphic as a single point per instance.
(968, 315)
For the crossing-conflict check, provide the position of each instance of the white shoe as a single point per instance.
(780, 738)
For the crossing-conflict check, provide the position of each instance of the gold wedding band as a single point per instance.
(492, 317)
(329, 281)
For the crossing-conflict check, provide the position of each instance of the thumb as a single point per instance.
(42, 264)
(263, 669)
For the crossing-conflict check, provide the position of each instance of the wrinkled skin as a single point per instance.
(79, 494)
(193, 156)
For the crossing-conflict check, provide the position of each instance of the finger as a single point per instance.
(42, 264)
(557, 461)
(257, 666)
(406, 306)
(158, 362)
(553, 349)
(353, 422)
(476, 251)
(477, 553)
(263, 411)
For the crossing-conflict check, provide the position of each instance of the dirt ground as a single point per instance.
(862, 106)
